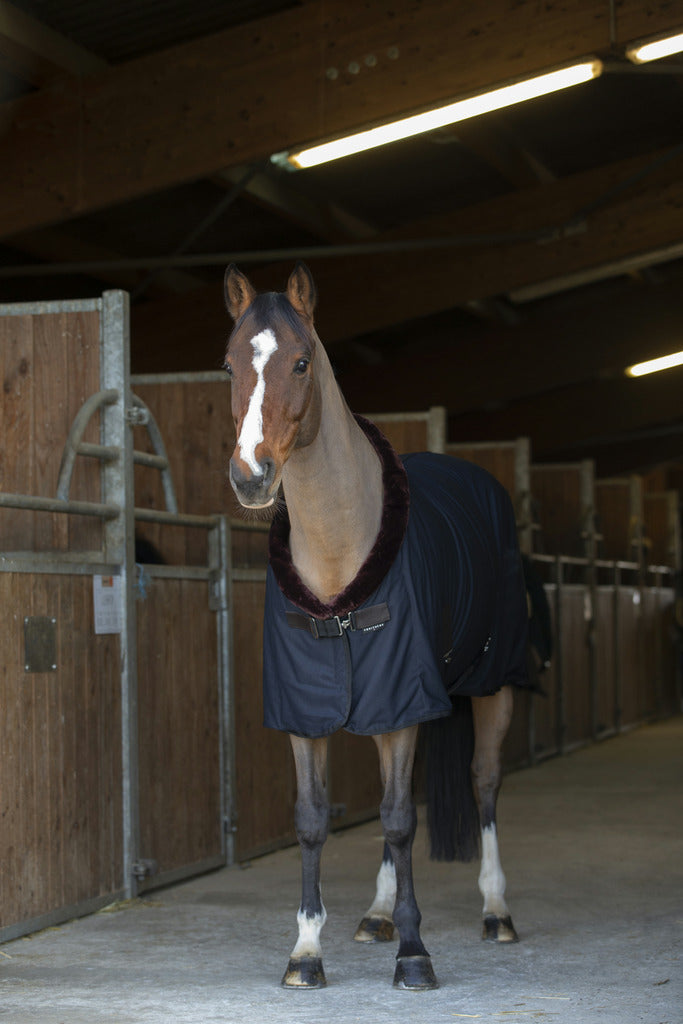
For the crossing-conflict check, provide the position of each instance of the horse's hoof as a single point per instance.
(304, 972)
(499, 929)
(375, 929)
(415, 973)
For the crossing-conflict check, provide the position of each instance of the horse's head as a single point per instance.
(275, 397)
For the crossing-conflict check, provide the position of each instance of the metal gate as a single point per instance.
(116, 728)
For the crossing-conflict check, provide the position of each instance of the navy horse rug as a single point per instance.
(438, 609)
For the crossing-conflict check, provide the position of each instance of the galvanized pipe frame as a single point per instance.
(117, 557)
(555, 591)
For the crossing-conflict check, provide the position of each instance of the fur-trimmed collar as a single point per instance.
(379, 561)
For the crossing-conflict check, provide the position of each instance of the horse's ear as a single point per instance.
(239, 294)
(301, 290)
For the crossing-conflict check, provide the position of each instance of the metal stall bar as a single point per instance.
(119, 546)
(35, 503)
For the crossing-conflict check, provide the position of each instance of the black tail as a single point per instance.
(452, 812)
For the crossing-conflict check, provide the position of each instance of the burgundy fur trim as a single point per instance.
(379, 561)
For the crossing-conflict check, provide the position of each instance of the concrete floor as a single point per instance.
(592, 848)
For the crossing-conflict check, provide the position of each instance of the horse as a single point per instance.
(346, 648)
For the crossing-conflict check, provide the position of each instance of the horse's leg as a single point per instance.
(399, 821)
(491, 722)
(378, 924)
(305, 967)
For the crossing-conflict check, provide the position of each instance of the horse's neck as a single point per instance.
(334, 496)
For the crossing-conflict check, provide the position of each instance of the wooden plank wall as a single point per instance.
(607, 712)
(546, 711)
(266, 783)
(49, 365)
(196, 424)
(563, 498)
(662, 527)
(178, 725)
(60, 754)
(500, 459)
(619, 509)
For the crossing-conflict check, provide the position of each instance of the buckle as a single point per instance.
(340, 623)
(328, 628)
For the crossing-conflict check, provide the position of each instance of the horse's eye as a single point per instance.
(301, 366)
(228, 368)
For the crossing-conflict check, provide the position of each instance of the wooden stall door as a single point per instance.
(564, 502)
(545, 722)
(179, 729)
(577, 708)
(193, 414)
(61, 834)
(619, 507)
(60, 758)
(606, 664)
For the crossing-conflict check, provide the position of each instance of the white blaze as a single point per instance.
(251, 434)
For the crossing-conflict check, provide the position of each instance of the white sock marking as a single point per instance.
(308, 943)
(385, 896)
(491, 877)
(251, 434)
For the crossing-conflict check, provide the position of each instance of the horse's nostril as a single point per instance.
(251, 487)
(237, 477)
(268, 470)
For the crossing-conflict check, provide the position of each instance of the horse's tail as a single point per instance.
(452, 813)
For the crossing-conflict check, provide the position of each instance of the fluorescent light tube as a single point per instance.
(642, 52)
(653, 365)
(483, 103)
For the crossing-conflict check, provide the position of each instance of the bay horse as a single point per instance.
(369, 624)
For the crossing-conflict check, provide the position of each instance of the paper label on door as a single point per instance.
(107, 604)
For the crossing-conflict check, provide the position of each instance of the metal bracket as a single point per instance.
(218, 597)
(40, 644)
(144, 868)
(137, 416)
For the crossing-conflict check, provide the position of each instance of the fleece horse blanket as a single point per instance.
(438, 609)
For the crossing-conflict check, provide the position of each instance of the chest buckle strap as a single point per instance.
(364, 620)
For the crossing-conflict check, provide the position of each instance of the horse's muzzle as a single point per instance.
(254, 490)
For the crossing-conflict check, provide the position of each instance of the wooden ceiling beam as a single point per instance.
(59, 245)
(37, 54)
(363, 293)
(268, 85)
(327, 221)
(479, 371)
(577, 418)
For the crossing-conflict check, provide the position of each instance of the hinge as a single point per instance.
(137, 415)
(144, 868)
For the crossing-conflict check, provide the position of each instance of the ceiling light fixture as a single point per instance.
(643, 50)
(483, 103)
(653, 365)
